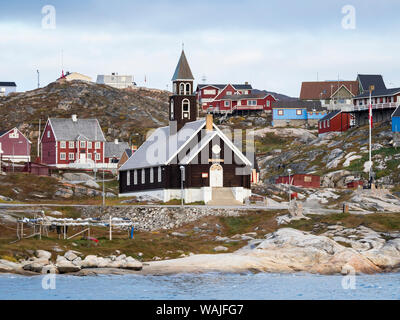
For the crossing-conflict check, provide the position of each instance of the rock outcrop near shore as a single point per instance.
(286, 250)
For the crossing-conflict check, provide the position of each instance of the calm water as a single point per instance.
(207, 286)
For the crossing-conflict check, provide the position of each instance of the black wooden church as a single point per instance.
(191, 157)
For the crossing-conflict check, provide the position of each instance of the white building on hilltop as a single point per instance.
(116, 81)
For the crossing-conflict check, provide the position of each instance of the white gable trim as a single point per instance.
(48, 122)
(184, 145)
(339, 89)
(232, 146)
(206, 142)
(19, 133)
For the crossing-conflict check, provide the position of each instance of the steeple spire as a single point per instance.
(182, 71)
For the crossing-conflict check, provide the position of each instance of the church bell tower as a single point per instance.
(182, 103)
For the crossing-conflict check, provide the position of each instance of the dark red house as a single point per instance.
(301, 180)
(233, 98)
(14, 146)
(73, 142)
(336, 121)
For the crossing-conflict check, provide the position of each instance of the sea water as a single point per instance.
(212, 286)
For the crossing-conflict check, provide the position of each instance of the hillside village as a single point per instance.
(84, 148)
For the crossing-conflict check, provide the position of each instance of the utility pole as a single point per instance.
(38, 79)
(290, 194)
(371, 88)
(182, 180)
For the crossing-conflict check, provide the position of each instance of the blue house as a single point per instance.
(6, 88)
(297, 113)
(396, 120)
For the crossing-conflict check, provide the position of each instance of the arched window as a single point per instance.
(182, 88)
(188, 89)
(172, 110)
(186, 109)
(175, 89)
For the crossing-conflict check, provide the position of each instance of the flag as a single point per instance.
(370, 115)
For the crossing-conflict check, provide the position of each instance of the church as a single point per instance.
(190, 159)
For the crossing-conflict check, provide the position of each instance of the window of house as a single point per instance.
(71, 156)
(188, 89)
(128, 178)
(63, 144)
(185, 109)
(307, 179)
(175, 88)
(246, 92)
(280, 112)
(151, 175)
(97, 156)
(14, 134)
(328, 123)
(89, 156)
(209, 92)
(229, 93)
(89, 145)
(181, 88)
(299, 112)
(135, 181)
(268, 103)
(83, 144)
(227, 103)
(172, 109)
(71, 144)
(97, 145)
(48, 134)
(62, 156)
(159, 174)
(143, 176)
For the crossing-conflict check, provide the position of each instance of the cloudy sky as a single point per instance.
(275, 45)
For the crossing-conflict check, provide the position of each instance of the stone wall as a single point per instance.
(151, 218)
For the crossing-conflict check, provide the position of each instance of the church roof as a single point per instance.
(161, 147)
(182, 71)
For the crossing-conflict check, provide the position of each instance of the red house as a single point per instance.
(301, 180)
(14, 146)
(336, 121)
(73, 142)
(231, 98)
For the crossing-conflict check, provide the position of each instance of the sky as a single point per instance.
(274, 45)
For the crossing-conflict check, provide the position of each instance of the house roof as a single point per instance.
(182, 71)
(396, 113)
(317, 90)
(245, 96)
(3, 132)
(81, 129)
(366, 80)
(299, 104)
(380, 93)
(331, 115)
(161, 147)
(222, 86)
(8, 84)
(113, 149)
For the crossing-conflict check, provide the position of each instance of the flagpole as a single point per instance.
(370, 135)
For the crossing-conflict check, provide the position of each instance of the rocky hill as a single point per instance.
(121, 113)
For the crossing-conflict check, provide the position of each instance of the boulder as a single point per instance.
(121, 257)
(76, 177)
(220, 249)
(92, 184)
(132, 264)
(90, 261)
(50, 268)
(6, 266)
(70, 255)
(34, 266)
(42, 254)
(67, 267)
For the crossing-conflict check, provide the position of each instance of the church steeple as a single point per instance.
(183, 106)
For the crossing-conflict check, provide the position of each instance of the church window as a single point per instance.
(188, 89)
(185, 109)
(182, 88)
